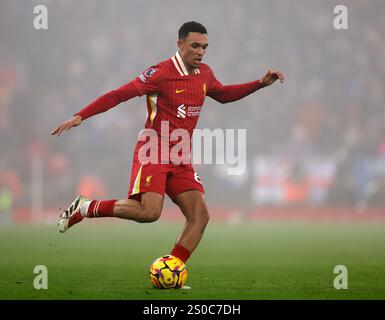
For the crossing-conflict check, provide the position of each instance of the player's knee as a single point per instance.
(151, 215)
(200, 218)
(203, 220)
(205, 217)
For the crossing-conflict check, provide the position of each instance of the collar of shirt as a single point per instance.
(180, 66)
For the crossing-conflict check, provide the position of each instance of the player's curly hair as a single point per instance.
(190, 26)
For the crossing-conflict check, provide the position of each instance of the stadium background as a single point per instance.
(315, 145)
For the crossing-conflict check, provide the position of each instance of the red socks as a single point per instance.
(181, 253)
(103, 208)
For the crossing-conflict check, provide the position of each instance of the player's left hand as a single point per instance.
(270, 77)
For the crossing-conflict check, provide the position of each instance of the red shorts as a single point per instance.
(170, 178)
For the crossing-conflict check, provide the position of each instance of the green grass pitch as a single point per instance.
(96, 260)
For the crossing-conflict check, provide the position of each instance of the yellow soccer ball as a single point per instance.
(168, 272)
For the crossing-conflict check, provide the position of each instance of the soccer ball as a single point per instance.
(168, 272)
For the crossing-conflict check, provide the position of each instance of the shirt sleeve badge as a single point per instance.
(147, 74)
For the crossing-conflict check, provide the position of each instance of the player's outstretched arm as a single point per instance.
(102, 104)
(73, 122)
(234, 92)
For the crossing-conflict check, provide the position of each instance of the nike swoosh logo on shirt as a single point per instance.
(179, 91)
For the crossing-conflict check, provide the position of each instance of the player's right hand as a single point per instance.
(73, 122)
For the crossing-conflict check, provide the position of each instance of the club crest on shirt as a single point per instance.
(147, 74)
(148, 181)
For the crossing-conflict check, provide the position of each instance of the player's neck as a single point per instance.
(189, 69)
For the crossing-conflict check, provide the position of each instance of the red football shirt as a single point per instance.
(173, 95)
(176, 96)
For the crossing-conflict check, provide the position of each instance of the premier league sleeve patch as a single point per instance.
(147, 74)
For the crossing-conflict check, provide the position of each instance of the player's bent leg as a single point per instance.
(147, 210)
(195, 211)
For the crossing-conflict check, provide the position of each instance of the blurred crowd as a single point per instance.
(318, 139)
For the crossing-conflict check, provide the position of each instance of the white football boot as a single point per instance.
(72, 214)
